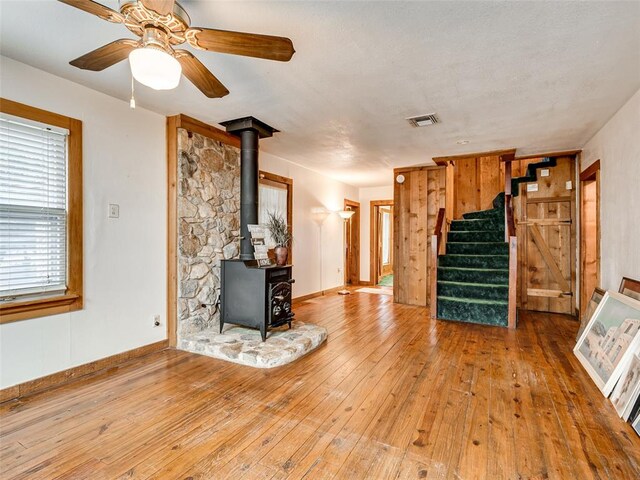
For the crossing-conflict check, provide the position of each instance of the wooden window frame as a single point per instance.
(287, 183)
(72, 298)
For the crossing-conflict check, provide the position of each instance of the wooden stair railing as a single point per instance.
(512, 239)
(436, 242)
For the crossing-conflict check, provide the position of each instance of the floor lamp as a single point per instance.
(345, 215)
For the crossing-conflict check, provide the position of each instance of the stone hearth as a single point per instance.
(244, 346)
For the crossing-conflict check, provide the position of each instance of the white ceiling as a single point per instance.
(536, 76)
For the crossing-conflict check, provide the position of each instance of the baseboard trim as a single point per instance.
(60, 378)
(317, 294)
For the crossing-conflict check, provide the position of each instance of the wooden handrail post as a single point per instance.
(513, 279)
(436, 240)
(433, 287)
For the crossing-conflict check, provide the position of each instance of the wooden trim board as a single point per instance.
(66, 376)
(565, 153)
(505, 156)
(590, 172)
(321, 293)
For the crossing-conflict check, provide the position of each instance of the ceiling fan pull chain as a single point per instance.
(132, 102)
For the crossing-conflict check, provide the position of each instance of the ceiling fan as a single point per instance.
(161, 25)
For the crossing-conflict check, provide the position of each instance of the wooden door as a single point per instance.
(589, 233)
(547, 242)
(385, 236)
(352, 247)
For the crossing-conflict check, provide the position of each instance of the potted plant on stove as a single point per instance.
(280, 235)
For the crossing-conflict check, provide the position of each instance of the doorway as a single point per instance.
(381, 241)
(589, 232)
(352, 244)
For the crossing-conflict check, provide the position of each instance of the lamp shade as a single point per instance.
(346, 214)
(155, 68)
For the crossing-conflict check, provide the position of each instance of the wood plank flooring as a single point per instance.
(392, 394)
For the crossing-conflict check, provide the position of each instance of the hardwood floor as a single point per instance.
(392, 394)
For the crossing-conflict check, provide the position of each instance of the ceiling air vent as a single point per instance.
(423, 120)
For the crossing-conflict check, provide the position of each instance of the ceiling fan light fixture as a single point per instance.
(155, 68)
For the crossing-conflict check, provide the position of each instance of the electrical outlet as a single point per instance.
(156, 320)
(114, 210)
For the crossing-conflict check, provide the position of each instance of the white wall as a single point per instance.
(366, 196)
(617, 146)
(313, 242)
(124, 155)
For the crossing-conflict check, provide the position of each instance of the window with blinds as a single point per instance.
(33, 208)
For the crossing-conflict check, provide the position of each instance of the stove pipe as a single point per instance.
(250, 130)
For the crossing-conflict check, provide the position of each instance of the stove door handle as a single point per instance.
(291, 280)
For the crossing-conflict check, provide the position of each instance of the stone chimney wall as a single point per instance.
(208, 226)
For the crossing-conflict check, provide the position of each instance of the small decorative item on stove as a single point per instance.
(281, 236)
(260, 248)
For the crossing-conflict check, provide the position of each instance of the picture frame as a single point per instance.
(609, 340)
(627, 390)
(594, 301)
(630, 288)
(636, 424)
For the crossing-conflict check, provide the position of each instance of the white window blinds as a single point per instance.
(271, 199)
(33, 208)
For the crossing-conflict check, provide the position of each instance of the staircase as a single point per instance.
(473, 275)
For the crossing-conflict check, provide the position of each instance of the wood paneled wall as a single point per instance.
(416, 205)
(476, 182)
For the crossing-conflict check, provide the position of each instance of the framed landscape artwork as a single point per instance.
(596, 298)
(609, 339)
(630, 288)
(627, 389)
(636, 424)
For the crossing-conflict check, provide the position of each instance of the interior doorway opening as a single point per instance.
(352, 244)
(381, 234)
(589, 233)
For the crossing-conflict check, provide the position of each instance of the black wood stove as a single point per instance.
(252, 296)
(255, 297)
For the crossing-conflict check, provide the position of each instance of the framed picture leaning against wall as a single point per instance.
(609, 340)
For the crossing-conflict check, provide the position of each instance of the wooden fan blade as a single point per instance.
(238, 43)
(200, 76)
(161, 7)
(106, 55)
(96, 9)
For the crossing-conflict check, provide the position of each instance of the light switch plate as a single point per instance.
(114, 210)
(544, 172)
(569, 185)
(532, 187)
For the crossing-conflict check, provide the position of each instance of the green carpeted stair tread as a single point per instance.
(467, 290)
(470, 248)
(473, 275)
(475, 235)
(477, 224)
(474, 260)
(480, 301)
(473, 310)
(472, 284)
